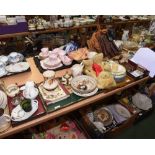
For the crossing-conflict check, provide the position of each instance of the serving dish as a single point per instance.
(18, 67)
(18, 114)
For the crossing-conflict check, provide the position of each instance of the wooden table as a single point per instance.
(37, 77)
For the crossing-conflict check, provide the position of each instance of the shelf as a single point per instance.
(14, 35)
(63, 111)
(46, 31)
(67, 29)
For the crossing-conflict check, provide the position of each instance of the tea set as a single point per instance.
(24, 104)
(53, 59)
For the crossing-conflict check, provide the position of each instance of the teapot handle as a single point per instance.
(8, 118)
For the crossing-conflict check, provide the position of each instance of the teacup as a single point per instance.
(49, 74)
(45, 50)
(2, 65)
(4, 118)
(15, 57)
(4, 59)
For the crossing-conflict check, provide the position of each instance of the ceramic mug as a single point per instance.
(4, 118)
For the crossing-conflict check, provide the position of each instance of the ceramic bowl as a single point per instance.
(88, 82)
(119, 78)
(12, 90)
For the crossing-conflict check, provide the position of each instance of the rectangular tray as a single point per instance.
(37, 62)
(40, 112)
(10, 74)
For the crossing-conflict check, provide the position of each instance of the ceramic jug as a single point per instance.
(125, 35)
(77, 69)
(30, 90)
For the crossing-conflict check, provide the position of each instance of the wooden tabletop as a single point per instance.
(37, 77)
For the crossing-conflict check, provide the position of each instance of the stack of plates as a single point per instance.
(3, 100)
(84, 86)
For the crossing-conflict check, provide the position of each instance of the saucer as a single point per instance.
(51, 68)
(52, 86)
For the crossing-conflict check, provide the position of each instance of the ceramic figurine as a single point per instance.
(125, 35)
(66, 79)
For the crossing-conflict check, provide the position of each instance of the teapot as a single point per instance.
(125, 35)
(77, 69)
(30, 92)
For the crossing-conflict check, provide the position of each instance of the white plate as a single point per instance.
(18, 67)
(122, 111)
(18, 114)
(44, 67)
(86, 95)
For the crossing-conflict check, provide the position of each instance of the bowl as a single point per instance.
(119, 78)
(12, 90)
(83, 84)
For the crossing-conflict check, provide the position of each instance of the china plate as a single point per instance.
(122, 111)
(86, 95)
(18, 67)
(18, 114)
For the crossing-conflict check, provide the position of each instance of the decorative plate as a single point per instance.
(122, 111)
(103, 115)
(18, 114)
